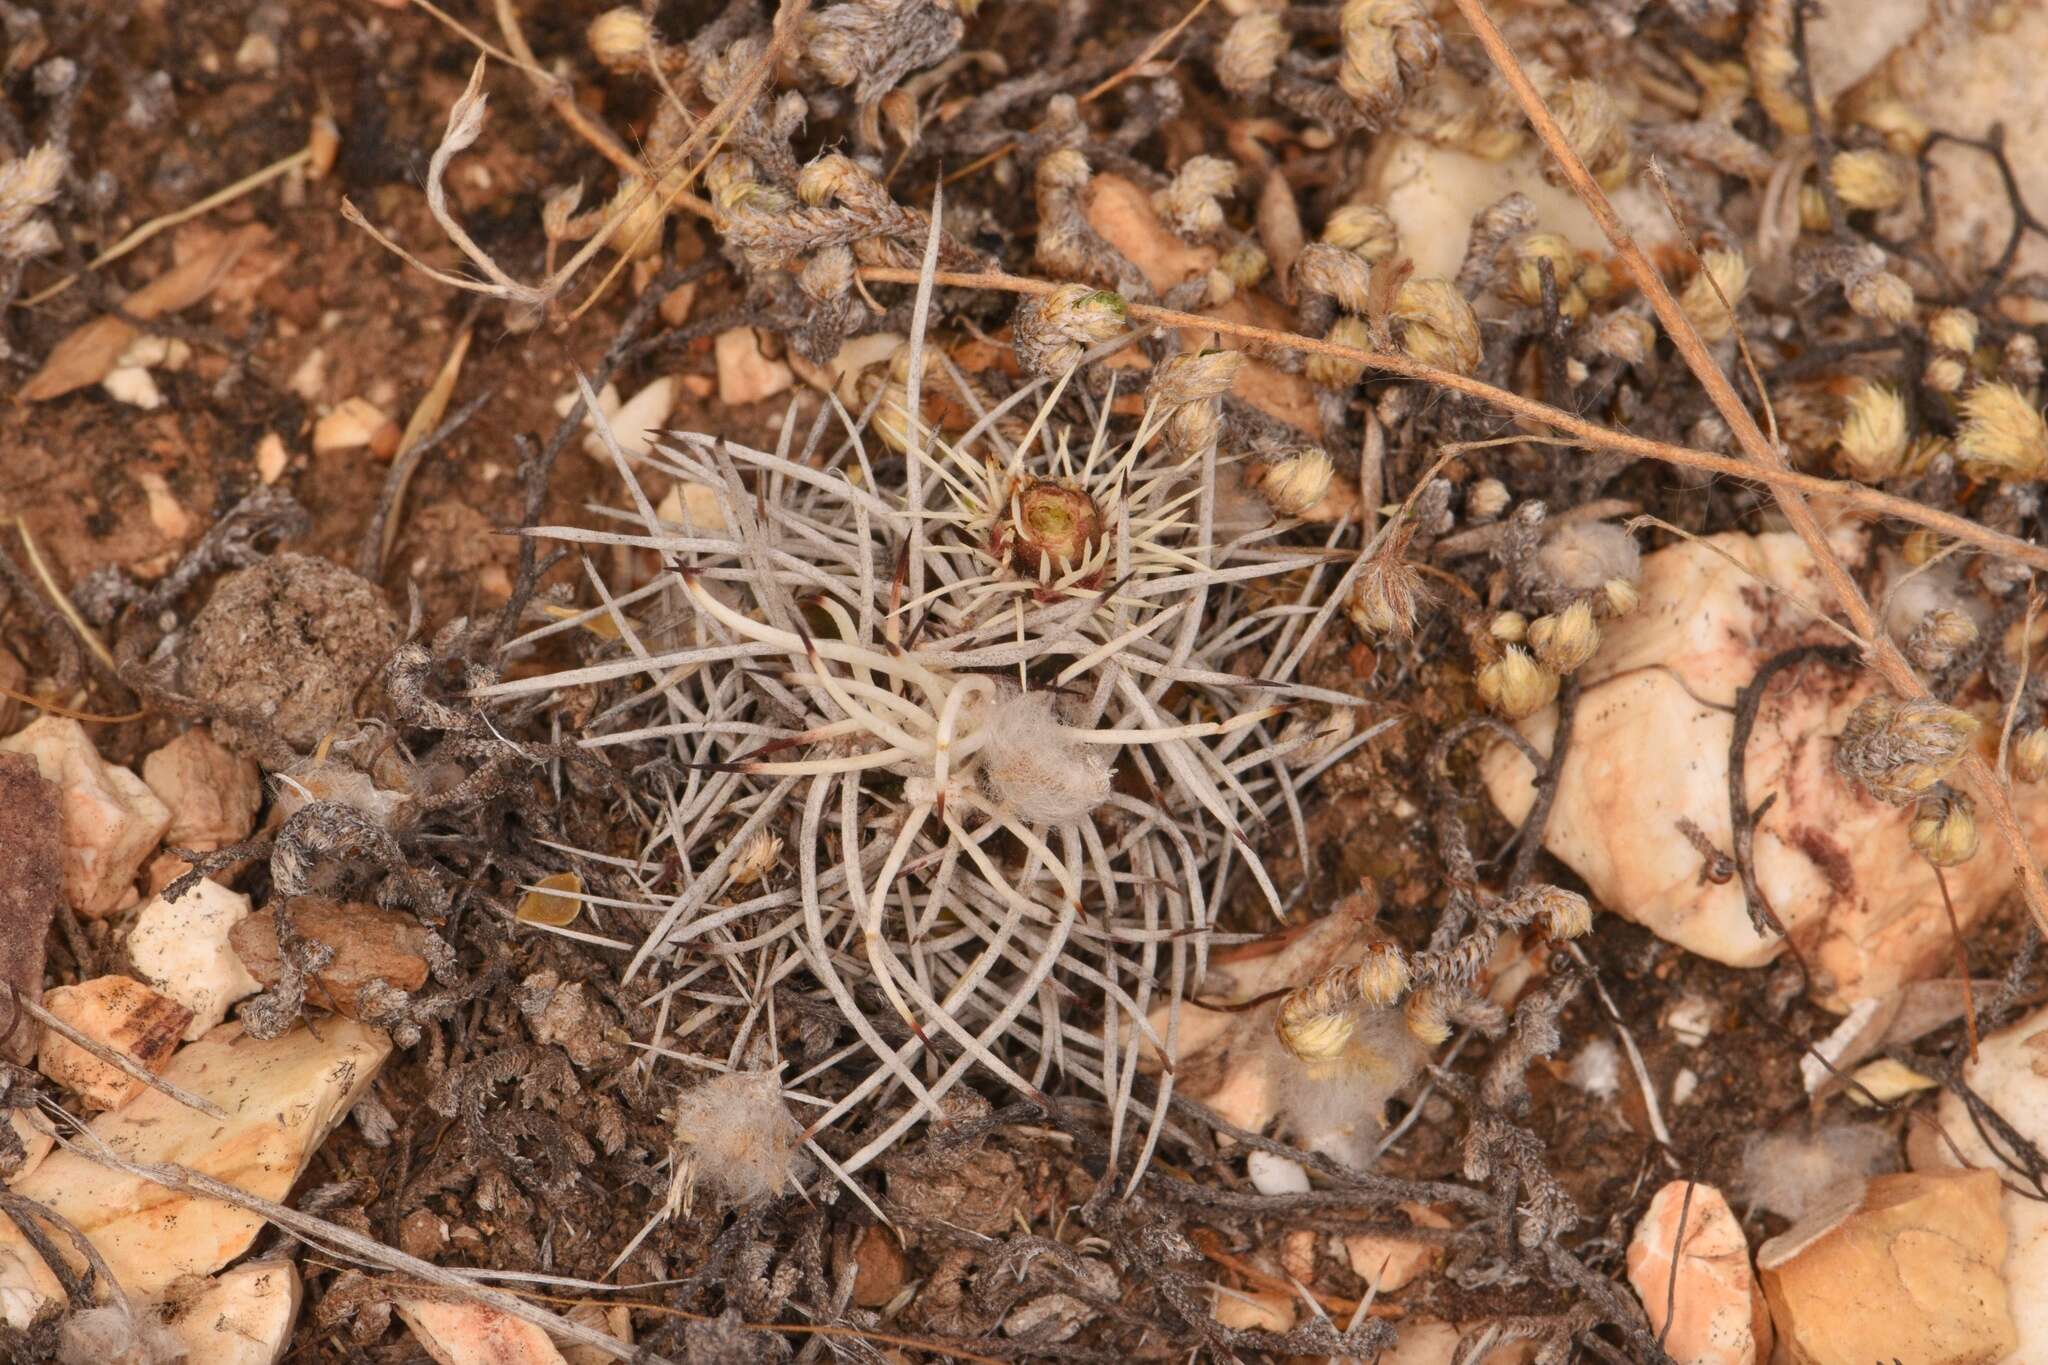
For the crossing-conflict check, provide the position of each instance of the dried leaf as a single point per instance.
(553, 901)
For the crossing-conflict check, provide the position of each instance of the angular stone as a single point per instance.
(211, 793)
(282, 1098)
(2011, 1075)
(1718, 1315)
(1909, 1267)
(125, 1015)
(112, 821)
(745, 375)
(1388, 1261)
(369, 943)
(243, 1316)
(471, 1334)
(1650, 758)
(181, 948)
(31, 880)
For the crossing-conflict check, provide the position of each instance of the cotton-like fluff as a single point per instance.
(1032, 764)
(1597, 1069)
(1582, 557)
(116, 1335)
(1338, 1107)
(1790, 1174)
(736, 1135)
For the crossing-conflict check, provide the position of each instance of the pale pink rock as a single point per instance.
(244, 1316)
(112, 821)
(1719, 1316)
(122, 1014)
(1650, 756)
(471, 1334)
(745, 375)
(211, 793)
(1431, 1341)
(1390, 1262)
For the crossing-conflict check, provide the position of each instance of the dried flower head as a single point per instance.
(1723, 275)
(1872, 441)
(1565, 641)
(1870, 178)
(1620, 597)
(1945, 830)
(2020, 363)
(1879, 295)
(1336, 371)
(1191, 203)
(1388, 592)
(1244, 264)
(1939, 637)
(618, 38)
(1389, 46)
(1294, 484)
(1898, 750)
(1953, 329)
(873, 44)
(1345, 276)
(1194, 377)
(757, 858)
(1774, 66)
(1508, 627)
(1250, 52)
(1428, 1014)
(1486, 499)
(1562, 913)
(1363, 229)
(2030, 754)
(1054, 330)
(1051, 527)
(1522, 281)
(1945, 372)
(28, 183)
(1595, 127)
(1516, 685)
(1316, 1021)
(735, 1133)
(1624, 336)
(1434, 325)
(1580, 558)
(2003, 435)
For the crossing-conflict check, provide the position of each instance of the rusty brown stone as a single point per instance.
(369, 944)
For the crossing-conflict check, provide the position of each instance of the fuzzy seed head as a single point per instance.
(1939, 637)
(1032, 765)
(1345, 276)
(754, 862)
(2003, 435)
(1523, 280)
(828, 274)
(1516, 685)
(1869, 178)
(1436, 326)
(1709, 315)
(2030, 755)
(1881, 296)
(1053, 332)
(1051, 527)
(1898, 750)
(1564, 914)
(1388, 47)
(1508, 627)
(1953, 329)
(1194, 377)
(1945, 830)
(1363, 230)
(1619, 596)
(735, 1133)
(1945, 372)
(618, 38)
(1387, 595)
(1872, 441)
(1250, 52)
(1428, 1015)
(2020, 364)
(1565, 641)
(1597, 130)
(638, 234)
(1578, 558)
(1335, 371)
(1191, 203)
(1486, 500)
(1316, 1038)
(1293, 485)
(1624, 336)
(1244, 265)
(824, 177)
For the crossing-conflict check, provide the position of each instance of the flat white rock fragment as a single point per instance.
(244, 1317)
(471, 1334)
(112, 821)
(181, 948)
(282, 1098)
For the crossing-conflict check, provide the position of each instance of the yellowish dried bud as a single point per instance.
(1244, 264)
(1565, 641)
(1052, 332)
(828, 274)
(1335, 371)
(1191, 203)
(1813, 209)
(1364, 230)
(756, 859)
(1486, 499)
(1387, 594)
(1953, 329)
(1595, 127)
(618, 38)
(1436, 326)
(1388, 47)
(1317, 1037)
(1946, 372)
(1868, 178)
(1774, 66)
(1704, 304)
(1881, 296)
(1919, 548)
(2030, 755)
(1620, 595)
(1627, 337)
(823, 177)
(1940, 637)
(1884, 113)
(1193, 377)
(1250, 52)
(1051, 528)
(1872, 441)
(1898, 749)
(1522, 281)
(1508, 627)
(1516, 685)
(638, 234)
(1945, 830)
(1427, 1014)
(1342, 275)
(2002, 436)
(1565, 914)
(1297, 483)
